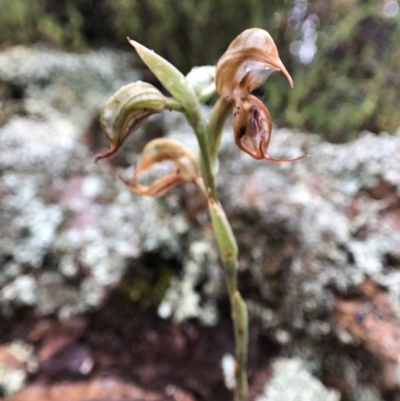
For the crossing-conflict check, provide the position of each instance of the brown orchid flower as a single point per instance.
(161, 150)
(245, 65)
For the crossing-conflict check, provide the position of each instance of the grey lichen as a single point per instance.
(13, 376)
(308, 223)
(348, 369)
(72, 84)
(292, 382)
(62, 216)
(182, 301)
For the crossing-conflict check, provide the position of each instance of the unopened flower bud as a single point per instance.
(247, 63)
(201, 79)
(126, 111)
(160, 150)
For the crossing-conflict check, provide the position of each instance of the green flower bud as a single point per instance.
(126, 111)
(201, 80)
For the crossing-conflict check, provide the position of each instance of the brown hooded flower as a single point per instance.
(245, 65)
(161, 150)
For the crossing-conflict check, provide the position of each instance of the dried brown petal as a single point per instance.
(160, 150)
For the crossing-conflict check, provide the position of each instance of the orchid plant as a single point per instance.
(245, 65)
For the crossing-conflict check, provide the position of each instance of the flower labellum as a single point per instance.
(252, 127)
(126, 111)
(160, 150)
(247, 63)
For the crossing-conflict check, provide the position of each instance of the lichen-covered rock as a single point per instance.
(312, 230)
(181, 300)
(16, 362)
(328, 221)
(291, 381)
(68, 227)
(72, 84)
(309, 232)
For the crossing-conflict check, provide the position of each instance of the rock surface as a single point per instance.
(310, 233)
(292, 382)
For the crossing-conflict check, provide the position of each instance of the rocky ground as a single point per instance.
(105, 295)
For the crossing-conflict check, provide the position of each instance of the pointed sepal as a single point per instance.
(171, 78)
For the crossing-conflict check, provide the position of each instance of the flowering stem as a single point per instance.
(223, 232)
(244, 66)
(229, 255)
(173, 104)
(194, 118)
(215, 126)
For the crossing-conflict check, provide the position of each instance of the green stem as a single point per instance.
(223, 232)
(241, 325)
(173, 104)
(194, 118)
(215, 126)
(229, 255)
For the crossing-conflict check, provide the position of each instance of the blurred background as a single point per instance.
(343, 54)
(106, 296)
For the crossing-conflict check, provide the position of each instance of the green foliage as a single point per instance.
(192, 32)
(23, 22)
(352, 83)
